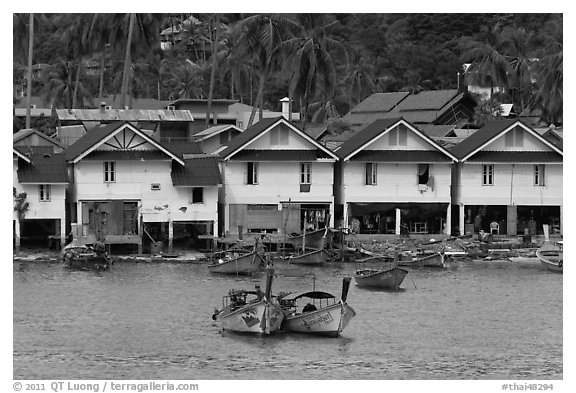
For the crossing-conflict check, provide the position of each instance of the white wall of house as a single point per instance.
(277, 182)
(513, 185)
(396, 182)
(134, 181)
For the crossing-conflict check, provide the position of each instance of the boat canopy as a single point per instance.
(309, 294)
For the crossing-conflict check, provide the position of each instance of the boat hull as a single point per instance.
(434, 260)
(243, 265)
(551, 259)
(385, 279)
(259, 318)
(328, 321)
(318, 257)
(315, 239)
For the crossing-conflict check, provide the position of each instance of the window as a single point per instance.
(44, 192)
(539, 175)
(398, 136)
(488, 175)
(197, 195)
(155, 186)
(305, 173)
(514, 138)
(252, 173)
(371, 173)
(279, 136)
(109, 171)
(423, 173)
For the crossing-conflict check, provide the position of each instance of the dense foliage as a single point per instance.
(326, 63)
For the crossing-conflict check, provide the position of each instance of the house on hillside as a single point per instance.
(438, 107)
(277, 179)
(163, 123)
(214, 138)
(130, 189)
(39, 182)
(508, 180)
(32, 138)
(392, 175)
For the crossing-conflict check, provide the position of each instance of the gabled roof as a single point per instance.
(22, 134)
(489, 133)
(21, 155)
(254, 131)
(44, 169)
(215, 130)
(29, 150)
(279, 155)
(98, 135)
(380, 102)
(197, 172)
(363, 138)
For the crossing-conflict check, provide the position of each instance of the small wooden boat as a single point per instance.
(433, 260)
(317, 312)
(390, 278)
(551, 258)
(316, 257)
(315, 239)
(83, 257)
(246, 264)
(250, 311)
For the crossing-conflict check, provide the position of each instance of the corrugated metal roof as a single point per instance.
(30, 150)
(89, 139)
(197, 172)
(366, 134)
(279, 155)
(22, 134)
(428, 100)
(380, 102)
(433, 130)
(182, 148)
(400, 156)
(533, 157)
(44, 169)
(132, 115)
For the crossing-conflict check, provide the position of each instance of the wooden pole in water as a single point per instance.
(304, 235)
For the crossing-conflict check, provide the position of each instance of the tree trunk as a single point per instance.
(102, 65)
(259, 100)
(68, 89)
(29, 75)
(76, 85)
(213, 70)
(127, 62)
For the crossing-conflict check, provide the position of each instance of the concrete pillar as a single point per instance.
(461, 219)
(449, 219)
(512, 220)
(345, 213)
(562, 219)
(79, 220)
(226, 219)
(398, 218)
(331, 223)
(17, 235)
(62, 233)
(170, 235)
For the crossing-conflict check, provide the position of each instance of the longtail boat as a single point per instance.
(82, 257)
(317, 312)
(313, 239)
(433, 260)
(552, 259)
(316, 257)
(247, 311)
(390, 278)
(242, 265)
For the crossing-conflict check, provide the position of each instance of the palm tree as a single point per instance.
(23, 29)
(97, 37)
(59, 88)
(359, 77)
(187, 80)
(312, 59)
(490, 64)
(262, 34)
(234, 62)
